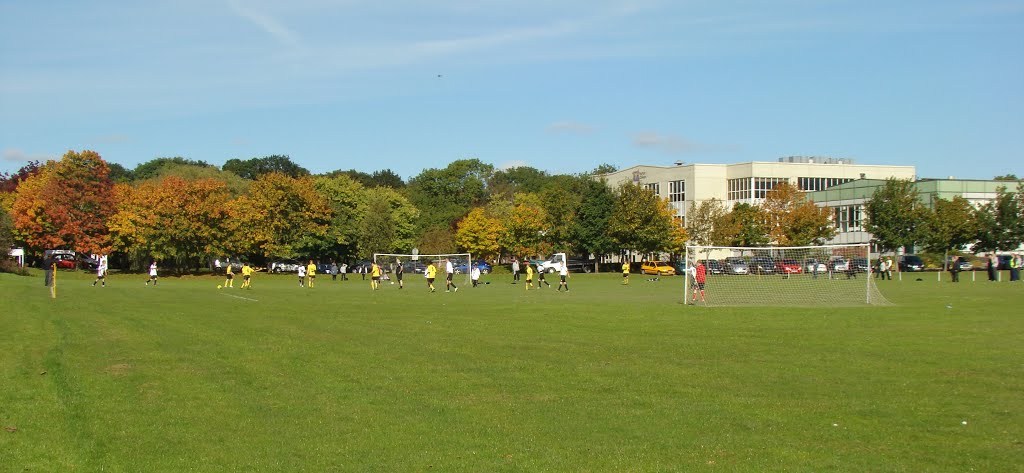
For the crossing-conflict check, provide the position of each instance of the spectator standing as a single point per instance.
(515, 270)
(993, 266)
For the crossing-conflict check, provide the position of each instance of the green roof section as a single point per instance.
(928, 189)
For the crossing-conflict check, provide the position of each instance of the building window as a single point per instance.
(811, 184)
(848, 218)
(739, 189)
(676, 191)
(762, 185)
(655, 187)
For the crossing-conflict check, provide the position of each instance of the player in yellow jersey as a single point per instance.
(229, 275)
(431, 274)
(374, 276)
(529, 276)
(246, 275)
(625, 272)
(310, 273)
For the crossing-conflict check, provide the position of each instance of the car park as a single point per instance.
(485, 267)
(860, 265)
(414, 267)
(965, 264)
(659, 268)
(735, 265)
(838, 264)
(762, 265)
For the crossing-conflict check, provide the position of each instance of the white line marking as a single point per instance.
(240, 297)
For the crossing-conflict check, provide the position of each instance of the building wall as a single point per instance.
(712, 181)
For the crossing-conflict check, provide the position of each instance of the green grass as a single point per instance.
(607, 377)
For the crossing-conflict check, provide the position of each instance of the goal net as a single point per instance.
(416, 266)
(808, 276)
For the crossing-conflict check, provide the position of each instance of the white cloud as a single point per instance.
(670, 144)
(17, 156)
(515, 163)
(265, 22)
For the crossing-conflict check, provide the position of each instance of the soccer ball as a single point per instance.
(218, 286)
(392, 282)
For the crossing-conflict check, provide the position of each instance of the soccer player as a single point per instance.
(540, 278)
(474, 274)
(699, 274)
(229, 276)
(431, 273)
(374, 276)
(246, 275)
(152, 273)
(101, 272)
(529, 276)
(625, 272)
(563, 274)
(399, 271)
(515, 270)
(302, 276)
(311, 273)
(449, 271)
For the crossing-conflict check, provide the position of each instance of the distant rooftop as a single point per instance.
(815, 160)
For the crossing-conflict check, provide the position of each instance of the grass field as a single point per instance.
(185, 377)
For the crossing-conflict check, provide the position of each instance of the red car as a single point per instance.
(65, 261)
(789, 266)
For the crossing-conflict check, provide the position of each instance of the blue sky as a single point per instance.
(561, 86)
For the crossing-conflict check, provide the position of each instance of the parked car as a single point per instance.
(65, 261)
(838, 264)
(89, 263)
(762, 265)
(414, 267)
(911, 263)
(860, 264)
(965, 264)
(789, 266)
(814, 266)
(285, 266)
(712, 266)
(485, 267)
(659, 268)
(736, 265)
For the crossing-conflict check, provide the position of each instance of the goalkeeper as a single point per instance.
(699, 274)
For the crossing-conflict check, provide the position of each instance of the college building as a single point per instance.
(685, 184)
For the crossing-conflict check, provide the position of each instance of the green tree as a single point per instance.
(445, 195)
(387, 178)
(1000, 223)
(604, 168)
(1006, 177)
(6, 230)
(641, 221)
(589, 229)
(895, 216)
(950, 226)
(152, 168)
(505, 183)
(256, 167)
(703, 219)
(348, 202)
(388, 225)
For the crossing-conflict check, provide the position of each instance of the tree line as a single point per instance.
(183, 212)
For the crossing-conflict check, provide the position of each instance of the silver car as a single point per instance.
(736, 265)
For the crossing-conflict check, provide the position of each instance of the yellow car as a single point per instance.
(659, 268)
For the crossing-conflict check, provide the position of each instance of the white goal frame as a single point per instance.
(386, 260)
(832, 289)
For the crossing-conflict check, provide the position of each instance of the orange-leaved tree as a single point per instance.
(172, 219)
(792, 220)
(281, 216)
(479, 233)
(66, 205)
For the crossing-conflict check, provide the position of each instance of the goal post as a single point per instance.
(415, 264)
(804, 276)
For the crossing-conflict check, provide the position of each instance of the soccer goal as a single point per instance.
(807, 276)
(416, 265)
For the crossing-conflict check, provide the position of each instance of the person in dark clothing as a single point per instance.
(954, 269)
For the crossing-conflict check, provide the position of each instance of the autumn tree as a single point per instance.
(894, 216)
(792, 220)
(479, 234)
(641, 221)
(66, 205)
(176, 221)
(560, 205)
(154, 168)
(743, 226)
(702, 220)
(281, 216)
(524, 227)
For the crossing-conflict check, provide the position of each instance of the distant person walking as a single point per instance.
(954, 269)
(515, 270)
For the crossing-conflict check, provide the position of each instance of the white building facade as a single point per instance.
(687, 184)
